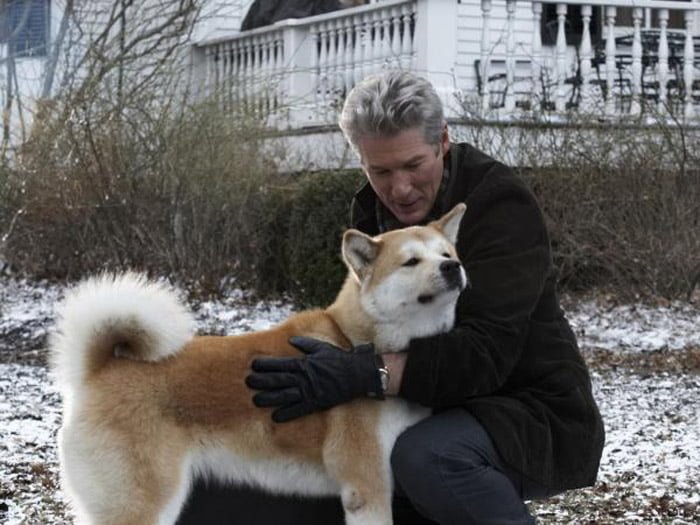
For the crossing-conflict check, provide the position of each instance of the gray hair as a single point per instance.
(389, 103)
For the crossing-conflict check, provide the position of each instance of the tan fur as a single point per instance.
(143, 419)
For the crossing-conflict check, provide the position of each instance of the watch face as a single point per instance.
(384, 378)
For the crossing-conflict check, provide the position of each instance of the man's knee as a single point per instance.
(412, 460)
(431, 452)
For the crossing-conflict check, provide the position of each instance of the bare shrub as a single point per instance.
(167, 194)
(622, 198)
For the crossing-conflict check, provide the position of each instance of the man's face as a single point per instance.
(404, 171)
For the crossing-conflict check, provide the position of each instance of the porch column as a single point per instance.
(688, 61)
(436, 29)
(298, 59)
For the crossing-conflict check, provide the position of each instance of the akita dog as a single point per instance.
(148, 406)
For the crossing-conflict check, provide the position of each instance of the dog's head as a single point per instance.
(410, 278)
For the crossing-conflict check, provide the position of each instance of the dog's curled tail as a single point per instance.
(115, 316)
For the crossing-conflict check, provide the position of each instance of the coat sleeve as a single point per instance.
(504, 247)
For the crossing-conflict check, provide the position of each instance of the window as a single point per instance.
(573, 28)
(676, 18)
(24, 27)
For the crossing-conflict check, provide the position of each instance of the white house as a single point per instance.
(544, 54)
(492, 59)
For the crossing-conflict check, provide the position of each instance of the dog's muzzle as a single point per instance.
(451, 271)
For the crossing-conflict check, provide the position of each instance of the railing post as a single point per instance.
(610, 15)
(560, 102)
(298, 58)
(663, 59)
(586, 54)
(510, 55)
(637, 15)
(484, 64)
(688, 64)
(436, 29)
(537, 93)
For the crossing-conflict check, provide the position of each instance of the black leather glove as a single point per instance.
(325, 377)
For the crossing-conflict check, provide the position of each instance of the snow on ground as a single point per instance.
(650, 471)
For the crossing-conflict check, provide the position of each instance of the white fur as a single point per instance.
(104, 303)
(394, 305)
(290, 477)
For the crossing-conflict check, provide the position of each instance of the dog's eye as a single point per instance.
(411, 262)
(445, 254)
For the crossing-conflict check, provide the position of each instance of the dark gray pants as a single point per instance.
(446, 468)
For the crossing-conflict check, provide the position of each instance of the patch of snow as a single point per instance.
(650, 469)
(636, 327)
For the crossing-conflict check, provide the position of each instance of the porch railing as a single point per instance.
(304, 68)
(299, 71)
(627, 69)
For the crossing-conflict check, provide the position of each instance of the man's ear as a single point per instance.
(448, 224)
(359, 252)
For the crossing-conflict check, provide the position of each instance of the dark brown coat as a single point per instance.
(512, 359)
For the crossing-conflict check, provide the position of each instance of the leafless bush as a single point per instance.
(181, 194)
(622, 198)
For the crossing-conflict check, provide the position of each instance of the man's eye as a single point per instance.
(411, 262)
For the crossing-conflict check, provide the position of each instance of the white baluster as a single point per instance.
(226, 71)
(560, 102)
(396, 36)
(315, 65)
(586, 54)
(220, 74)
(510, 55)
(208, 70)
(247, 72)
(688, 60)
(271, 80)
(377, 40)
(366, 45)
(386, 36)
(333, 54)
(340, 56)
(261, 73)
(406, 41)
(275, 51)
(343, 63)
(610, 70)
(323, 63)
(637, 15)
(537, 90)
(357, 49)
(662, 67)
(235, 90)
(349, 50)
(485, 54)
(257, 59)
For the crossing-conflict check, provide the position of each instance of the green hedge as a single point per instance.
(318, 218)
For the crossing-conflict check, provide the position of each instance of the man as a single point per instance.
(514, 417)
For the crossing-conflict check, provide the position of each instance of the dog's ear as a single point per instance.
(448, 224)
(359, 252)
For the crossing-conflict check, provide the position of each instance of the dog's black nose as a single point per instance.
(450, 270)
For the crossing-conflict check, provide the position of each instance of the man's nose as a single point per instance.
(401, 184)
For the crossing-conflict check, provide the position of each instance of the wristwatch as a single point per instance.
(383, 372)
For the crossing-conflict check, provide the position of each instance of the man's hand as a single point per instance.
(326, 376)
